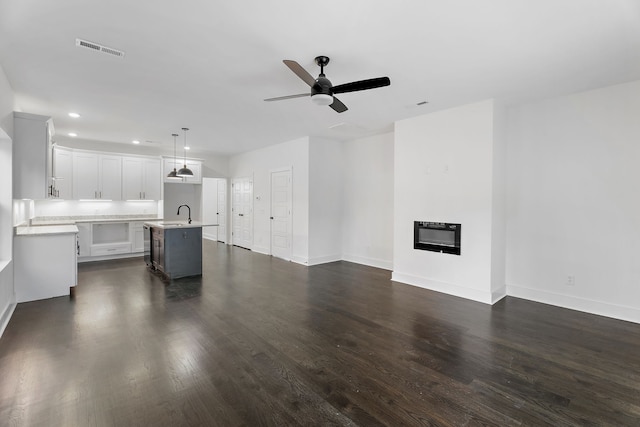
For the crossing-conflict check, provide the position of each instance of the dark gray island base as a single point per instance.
(175, 248)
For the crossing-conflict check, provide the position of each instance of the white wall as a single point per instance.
(7, 295)
(182, 194)
(574, 209)
(443, 165)
(367, 218)
(326, 170)
(258, 164)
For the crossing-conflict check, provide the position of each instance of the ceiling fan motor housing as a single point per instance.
(322, 86)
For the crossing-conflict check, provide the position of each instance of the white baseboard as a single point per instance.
(299, 260)
(447, 288)
(261, 250)
(615, 311)
(372, 262)
(324, 259)
(6, 316)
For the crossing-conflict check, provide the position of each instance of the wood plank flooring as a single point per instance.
(258, 341)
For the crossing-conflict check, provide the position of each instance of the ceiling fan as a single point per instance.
(322, 91)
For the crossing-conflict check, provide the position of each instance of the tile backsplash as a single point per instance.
(57, 208)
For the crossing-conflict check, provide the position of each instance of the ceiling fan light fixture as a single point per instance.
(322, 99)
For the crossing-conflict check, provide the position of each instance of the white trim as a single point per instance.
(261, 250)
(447, 288)
(299, 260)
(615, 311)
(372, 262)
(6, 316)
(210, 237)
(324, 259)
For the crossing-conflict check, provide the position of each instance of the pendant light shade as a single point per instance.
(174, 173)
(185, 171)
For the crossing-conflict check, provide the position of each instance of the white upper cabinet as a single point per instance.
(97, 176)
(141, 178)
(194, 165)
(61, 185)
(85, 175)
(31, 155)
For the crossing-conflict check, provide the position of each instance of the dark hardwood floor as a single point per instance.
(259, 341)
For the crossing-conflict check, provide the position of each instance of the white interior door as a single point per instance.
(222, 210)
(210, 207)
(242, 215)
(281, 232)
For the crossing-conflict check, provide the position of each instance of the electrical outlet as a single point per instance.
(571, 280)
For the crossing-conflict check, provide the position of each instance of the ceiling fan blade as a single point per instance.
(299, 71)
(362, 85)
(338, 106)
(279, 98)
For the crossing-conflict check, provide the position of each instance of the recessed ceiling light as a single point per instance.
(187, 148)
(135, 141)
(74, 115)
(72, 134)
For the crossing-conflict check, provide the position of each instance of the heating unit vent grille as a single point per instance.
(100, 48)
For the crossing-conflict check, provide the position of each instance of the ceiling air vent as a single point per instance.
(100, 48)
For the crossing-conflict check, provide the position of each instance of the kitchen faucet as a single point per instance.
(187, 208)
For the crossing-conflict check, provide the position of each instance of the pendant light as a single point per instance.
(185, 171)
(174, 174)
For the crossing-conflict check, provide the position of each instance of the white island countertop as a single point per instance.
(178, 224)
(44, 230)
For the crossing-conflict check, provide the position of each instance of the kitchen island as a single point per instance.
(174, 248)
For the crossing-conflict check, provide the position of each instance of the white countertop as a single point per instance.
(65, 220)
(177, 224)
(42, 230)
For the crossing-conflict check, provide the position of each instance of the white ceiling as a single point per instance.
(208, 65)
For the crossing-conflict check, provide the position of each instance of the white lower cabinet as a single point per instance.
(45, 266)
(136, 231)
(104, 240)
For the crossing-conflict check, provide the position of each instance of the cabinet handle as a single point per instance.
(144, 194)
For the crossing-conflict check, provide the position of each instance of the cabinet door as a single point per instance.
(31, 151)
(137, 236)
(152, 182)
(85, 175)
(110, 177)
(62, 179)
(132, 178)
